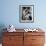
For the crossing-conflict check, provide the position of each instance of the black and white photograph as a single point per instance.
(26, 13)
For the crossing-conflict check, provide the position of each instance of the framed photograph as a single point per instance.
(26, 13)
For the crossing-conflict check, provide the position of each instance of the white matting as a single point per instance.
(0, 44)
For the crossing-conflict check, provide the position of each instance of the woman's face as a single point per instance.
(25, 12)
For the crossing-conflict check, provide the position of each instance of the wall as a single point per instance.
(9, 13)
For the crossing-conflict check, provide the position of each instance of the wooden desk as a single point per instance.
(21, 38)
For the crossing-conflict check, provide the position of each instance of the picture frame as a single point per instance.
(26, 13)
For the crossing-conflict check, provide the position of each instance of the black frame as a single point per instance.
(30, 8)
